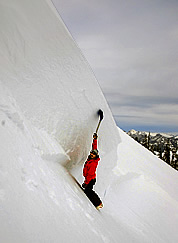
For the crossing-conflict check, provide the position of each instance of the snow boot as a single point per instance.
(99, 207)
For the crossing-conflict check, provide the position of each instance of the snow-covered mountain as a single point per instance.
(134, 133)
(49, 99)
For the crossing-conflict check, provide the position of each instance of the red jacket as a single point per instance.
(89, 170)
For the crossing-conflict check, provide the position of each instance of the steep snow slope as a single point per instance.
(48, 103)
(50, 80)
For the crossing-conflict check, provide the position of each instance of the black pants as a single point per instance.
(91, 194)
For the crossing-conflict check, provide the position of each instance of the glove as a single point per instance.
(84, 185)
(95, 136)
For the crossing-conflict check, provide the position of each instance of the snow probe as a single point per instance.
(100, 113)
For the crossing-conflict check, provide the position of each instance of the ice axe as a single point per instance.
(100, 113)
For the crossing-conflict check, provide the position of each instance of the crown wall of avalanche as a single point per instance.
(49, 81)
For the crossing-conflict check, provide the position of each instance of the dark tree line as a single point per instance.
(165, 148)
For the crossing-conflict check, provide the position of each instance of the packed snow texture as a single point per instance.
(49, 99)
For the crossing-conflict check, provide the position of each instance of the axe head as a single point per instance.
(100, 113)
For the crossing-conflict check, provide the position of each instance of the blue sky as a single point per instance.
(132, 47)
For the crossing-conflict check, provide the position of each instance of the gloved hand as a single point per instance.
(95, 136)
(84, 185)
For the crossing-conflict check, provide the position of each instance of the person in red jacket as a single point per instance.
(89, 172)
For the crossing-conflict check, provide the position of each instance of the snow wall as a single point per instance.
(51, 83)
(49, 100)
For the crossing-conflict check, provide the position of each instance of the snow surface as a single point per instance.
(49, 99)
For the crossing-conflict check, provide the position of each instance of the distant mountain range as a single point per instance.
(164, 145)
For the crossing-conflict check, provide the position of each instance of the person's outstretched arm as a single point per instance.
(94, 144)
